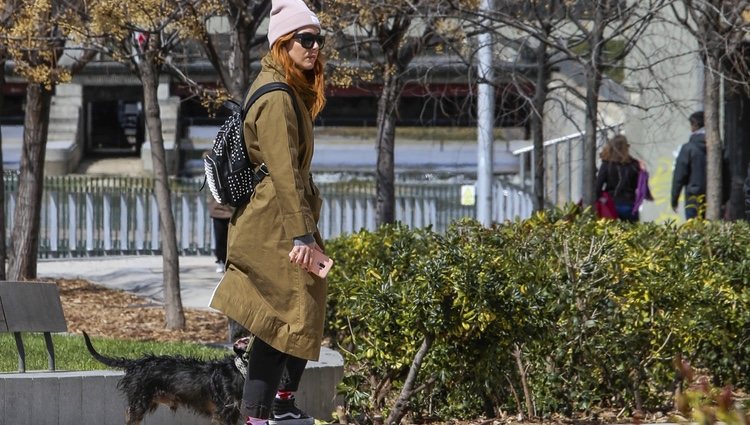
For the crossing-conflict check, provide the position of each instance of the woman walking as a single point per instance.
(618, 175)
(266, 287)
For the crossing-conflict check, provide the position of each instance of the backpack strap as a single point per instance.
(262, 170)
(266, 88)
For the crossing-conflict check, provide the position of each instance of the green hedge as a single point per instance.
(594, 312)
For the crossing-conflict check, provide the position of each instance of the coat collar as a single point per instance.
(270, 65)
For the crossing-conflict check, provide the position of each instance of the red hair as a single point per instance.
(310, 85)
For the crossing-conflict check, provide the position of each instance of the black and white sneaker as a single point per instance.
(285, 412)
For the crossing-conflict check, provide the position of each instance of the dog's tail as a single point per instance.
(119, 363)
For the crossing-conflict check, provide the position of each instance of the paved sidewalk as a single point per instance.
(141, 275)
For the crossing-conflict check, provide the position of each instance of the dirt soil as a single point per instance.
(106, 312)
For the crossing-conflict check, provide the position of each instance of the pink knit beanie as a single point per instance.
(287, 16)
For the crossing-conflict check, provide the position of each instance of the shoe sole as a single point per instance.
(294, 421)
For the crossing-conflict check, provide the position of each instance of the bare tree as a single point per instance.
(3, 254)
(719, 29)
(541, 91)
(147, 64)
(596, 24)
(556, 34)
(535, 23)
(35, 41)
(143, 35)
(383, 38)
(5, 21)
(244, 18)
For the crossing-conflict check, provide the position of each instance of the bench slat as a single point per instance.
(31, 307)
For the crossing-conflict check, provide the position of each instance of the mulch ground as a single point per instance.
(106, 312)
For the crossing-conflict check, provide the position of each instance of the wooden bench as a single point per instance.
(31, 307)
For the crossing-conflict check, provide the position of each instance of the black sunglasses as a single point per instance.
(307, 40)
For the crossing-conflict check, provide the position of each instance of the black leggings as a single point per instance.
(268, 369)
(221, 227)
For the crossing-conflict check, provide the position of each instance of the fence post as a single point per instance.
(89, 222)
(52, 221)
(72, 237)
(106, 222)
(154, 223)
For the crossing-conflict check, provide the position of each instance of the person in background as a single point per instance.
(618, 175)
(690, 170)
(220, 215)
(267, 288)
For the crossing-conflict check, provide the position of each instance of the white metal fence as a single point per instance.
(563, 160)
(92, 215)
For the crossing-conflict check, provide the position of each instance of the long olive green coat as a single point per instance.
(274, 299)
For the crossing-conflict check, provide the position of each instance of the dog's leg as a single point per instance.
(134, 415)
(227, 415)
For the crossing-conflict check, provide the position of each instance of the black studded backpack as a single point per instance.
(230, 174)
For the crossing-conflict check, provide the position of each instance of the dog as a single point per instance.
(209, 388)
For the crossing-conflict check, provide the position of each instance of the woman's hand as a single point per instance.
(302, 255)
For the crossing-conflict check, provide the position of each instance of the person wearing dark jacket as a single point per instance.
(690, 170)
(618, 175)
(220, 215)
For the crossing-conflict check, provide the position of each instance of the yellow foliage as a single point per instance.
(34, 40)
(326, 19)
(116, 19)
(213, 103)
(345, 76)
(107, 18)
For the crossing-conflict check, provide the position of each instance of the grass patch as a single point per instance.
(71, 353)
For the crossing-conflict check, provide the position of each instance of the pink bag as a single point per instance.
(605, 206)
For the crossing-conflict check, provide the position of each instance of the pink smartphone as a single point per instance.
(321, 264)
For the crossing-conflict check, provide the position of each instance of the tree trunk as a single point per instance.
(3, 252)
(175, 316)
(735, 157)
(386, 140)
(713, 139)
(400, 407)
(537, 125)
(25, 239)
(588, 191)
(593, 82)
(239, 72)
(245, 23)
(518, 355)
